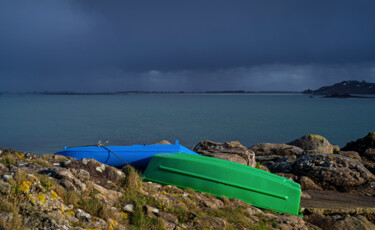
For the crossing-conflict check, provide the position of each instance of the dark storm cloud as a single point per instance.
(158, 45)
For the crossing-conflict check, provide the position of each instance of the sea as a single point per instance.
(46, 123)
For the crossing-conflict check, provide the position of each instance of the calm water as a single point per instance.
(45, 123)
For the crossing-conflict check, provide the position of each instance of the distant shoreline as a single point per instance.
(148, 92)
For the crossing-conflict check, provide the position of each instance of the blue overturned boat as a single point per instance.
(136, 155)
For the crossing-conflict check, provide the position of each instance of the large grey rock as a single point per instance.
(232, 151)
(266, 149)
(332, 171)
(315, 143)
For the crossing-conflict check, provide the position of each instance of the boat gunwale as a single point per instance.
(238, 167)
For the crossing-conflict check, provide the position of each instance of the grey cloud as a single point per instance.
(195, 45)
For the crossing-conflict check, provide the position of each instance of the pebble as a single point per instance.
(129, 208)
(66, 163)
(119, 172)
(7, 177)
(100, 168)
(82, 215)
(85, 161)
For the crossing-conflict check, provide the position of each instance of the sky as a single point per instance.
(95, 45)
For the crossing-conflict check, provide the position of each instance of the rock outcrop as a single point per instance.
(231, 151)
(332, 171)
(314, 143)
(56, 192)
(269, 149)
(366, 148)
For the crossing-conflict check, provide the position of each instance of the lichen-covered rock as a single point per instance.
(5, 188)
(332, 171)
(266, 149)
(315, 143)
(232, 151)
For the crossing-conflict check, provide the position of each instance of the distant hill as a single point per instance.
(345, 87)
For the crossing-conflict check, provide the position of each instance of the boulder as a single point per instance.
(353, 222)
(366, 148)
(332, 171)
(164, 142)
(282, 165)
(351, 154)
(266, 149)
(362, 144)
(308, 184)
(315, 143)
(5, 188)
(232, 151)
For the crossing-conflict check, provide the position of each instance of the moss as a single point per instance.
(316, 137)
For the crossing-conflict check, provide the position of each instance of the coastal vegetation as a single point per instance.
(56, 192)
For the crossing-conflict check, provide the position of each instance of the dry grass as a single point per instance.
(14, 224)
(8, 160)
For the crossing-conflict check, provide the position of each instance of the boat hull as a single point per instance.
(136, 155)
(226, 178)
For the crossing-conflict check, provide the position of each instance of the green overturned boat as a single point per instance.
(225, 178)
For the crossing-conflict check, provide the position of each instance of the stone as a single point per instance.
(150, 211)
(254, 211)
(351, 154)
(308, 184)
(208, 223)
(129, 208)
(7, 177)
(84, 161)
(332, 171)
(3, 168)
(362, 144)
(83, 216)
(232, 151)
(164, 142)
(313, 142)
(5, 188)
(267, 149)
(66, 163)
(282, 164)
(353, 222)
(110, 196)
(168, 217)
(83, 175)
(100, 168)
